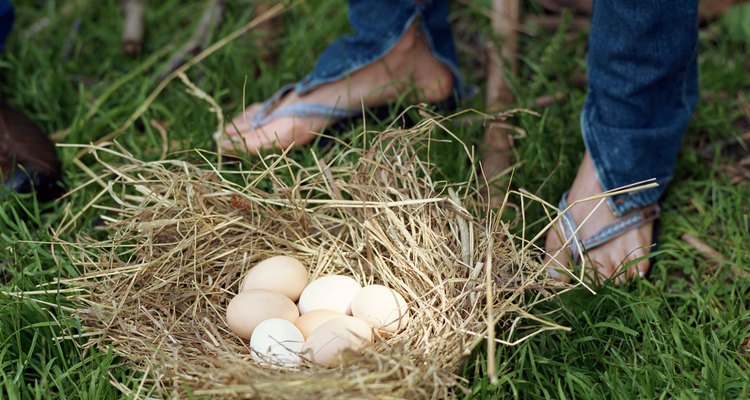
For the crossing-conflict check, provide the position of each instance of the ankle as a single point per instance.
(408, 41)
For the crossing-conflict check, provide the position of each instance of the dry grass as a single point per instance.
(180, 237)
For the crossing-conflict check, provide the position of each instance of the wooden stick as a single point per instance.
(712, 9)
(210, 21)
(132, 28)
(712, 254)
(548, 99)
(707, 10)
(266, 30)
(704, 249)
(505, 22)
(557, 6)
(553, 22)
(497, 142)
(490, 316)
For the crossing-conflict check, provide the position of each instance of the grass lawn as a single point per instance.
(685, 332)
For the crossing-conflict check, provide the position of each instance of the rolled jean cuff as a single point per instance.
(619, 166)
(378, 26)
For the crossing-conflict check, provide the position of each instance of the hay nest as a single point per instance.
(180, 236)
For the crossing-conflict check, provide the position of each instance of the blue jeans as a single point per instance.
(378, 25)
(643, 83)
(6, 21)
(643, 88)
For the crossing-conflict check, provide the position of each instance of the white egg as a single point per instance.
(332, 292)
(277, 341)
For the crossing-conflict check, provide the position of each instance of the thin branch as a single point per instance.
(210, 21)
(132, 28)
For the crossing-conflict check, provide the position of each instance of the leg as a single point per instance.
(642, 93)
(397, 43)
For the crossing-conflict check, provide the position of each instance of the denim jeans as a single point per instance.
(643, 88)
(378, 25)
(7, 16)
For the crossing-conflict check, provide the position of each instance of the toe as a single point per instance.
(639, 264)
(601, 265)
(241, 123)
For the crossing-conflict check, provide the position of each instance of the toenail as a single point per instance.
(217, 135)
(641, 274)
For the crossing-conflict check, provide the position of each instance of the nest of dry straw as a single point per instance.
(181, 236)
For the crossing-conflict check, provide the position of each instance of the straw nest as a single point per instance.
(180, 236)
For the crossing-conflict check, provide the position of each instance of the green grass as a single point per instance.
(679, 334)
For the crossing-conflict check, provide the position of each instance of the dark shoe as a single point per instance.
(27, 157)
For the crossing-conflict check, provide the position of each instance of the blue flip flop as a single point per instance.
(337, 115)
(301, 110)
(627, 222)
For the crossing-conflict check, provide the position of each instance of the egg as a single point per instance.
(251, 307)
(276, 341)
(282, 274)
(381, 307)
(309, 322)
(332, 292)
(325, 344)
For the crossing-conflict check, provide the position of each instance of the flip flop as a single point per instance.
(340, 116)
(627, 222)
(301, 110)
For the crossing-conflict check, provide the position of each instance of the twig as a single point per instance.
(577, 6)
(132, 29)
(553, 22)
(712, 254)
(548, 99)
(210, 21)
(505, 23)
(704, 249)
(265, 30)
(490, 317)
(710, 10)
(707, 151)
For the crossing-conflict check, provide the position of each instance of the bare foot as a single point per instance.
(608, 260)
(382, 82)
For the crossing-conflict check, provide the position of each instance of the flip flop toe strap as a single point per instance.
(301, 110)
(628, 222)
(607, 233)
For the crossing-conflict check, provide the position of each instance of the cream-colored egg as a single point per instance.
(332, 292)
(282, 274)
(308, 323)
(251, 307)
(381, 307)
(277, 341)
(325, 345)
